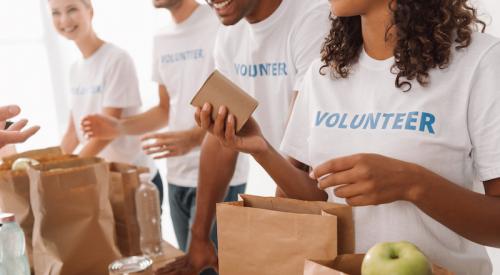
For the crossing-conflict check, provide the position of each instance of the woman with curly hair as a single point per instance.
(398, 118)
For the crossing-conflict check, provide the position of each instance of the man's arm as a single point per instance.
(173, 144)
(151, 120)
(217, 165)
(105, 127)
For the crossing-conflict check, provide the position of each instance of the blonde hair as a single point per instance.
(87, 3)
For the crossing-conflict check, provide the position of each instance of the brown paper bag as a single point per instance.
(269, 236)
(74, 227)
(14, 190)
(124, 181)
(349, 264)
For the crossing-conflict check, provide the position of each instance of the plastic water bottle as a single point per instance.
(13, 260)
(147, 200)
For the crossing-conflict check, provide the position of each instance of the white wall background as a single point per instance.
(34, 63)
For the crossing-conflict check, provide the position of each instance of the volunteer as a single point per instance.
(398, 118)
(265, 48)
(14, 133)
(104, 81)
(182, 61)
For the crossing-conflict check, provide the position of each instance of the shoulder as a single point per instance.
(483, 47)
(311, 20)
(316, 74)
(116, 54)
(311, 10)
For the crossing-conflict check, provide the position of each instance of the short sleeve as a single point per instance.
(484, 115)
(155, 70)
(307, 39)
(295, 141)
(221, 61)
(121, 86)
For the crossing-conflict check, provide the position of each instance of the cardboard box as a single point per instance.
(220, 91)
(348, 264)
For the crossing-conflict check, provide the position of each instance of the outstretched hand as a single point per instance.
(14, 133)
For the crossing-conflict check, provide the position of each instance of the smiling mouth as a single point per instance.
(222, 4)
(69, 30)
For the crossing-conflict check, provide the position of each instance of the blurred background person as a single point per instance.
(103, 81)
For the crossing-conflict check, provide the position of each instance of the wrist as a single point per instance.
(418, 184)
(121, 127)
(262, 151)
(199, 235)
(196, 136)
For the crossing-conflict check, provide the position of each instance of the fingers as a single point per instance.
(151, 136)
(9, 137)
(337, 179)
(169, 154)
(197, 115)
(158, 149)
(86, 126)
(87, 121)
(334, 166)
(361, 200)
(30, 132)
(205, 117)
(354, 190)
(18, 126)
(220, 123)
(230, 134)
(9, 111)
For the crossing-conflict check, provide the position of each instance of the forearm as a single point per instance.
(469, 214)
(69, 143)
(94, 147)
(149, 121)
(294, 182)
(197, 135)
(217, 165)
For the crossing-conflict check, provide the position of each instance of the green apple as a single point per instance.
(395, 258)
(23, 163)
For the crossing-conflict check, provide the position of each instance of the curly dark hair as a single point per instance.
(425, 29)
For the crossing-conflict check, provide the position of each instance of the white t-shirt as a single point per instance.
(451, 127)
(182, 61)
(108, 79)
(268, 59)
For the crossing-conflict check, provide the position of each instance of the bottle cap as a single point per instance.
(7, 217)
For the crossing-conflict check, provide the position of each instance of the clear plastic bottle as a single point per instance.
(13, 258)
(147, 200)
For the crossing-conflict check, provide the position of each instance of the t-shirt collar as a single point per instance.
(193, 19)
(371, 63)
(96, 53)
(268, 22)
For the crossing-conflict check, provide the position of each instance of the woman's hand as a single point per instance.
(14, 133)
(370, 179)
(101, 126)
(248, 140)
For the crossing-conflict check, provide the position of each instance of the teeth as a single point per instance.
(69, 29)
(222, 4)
